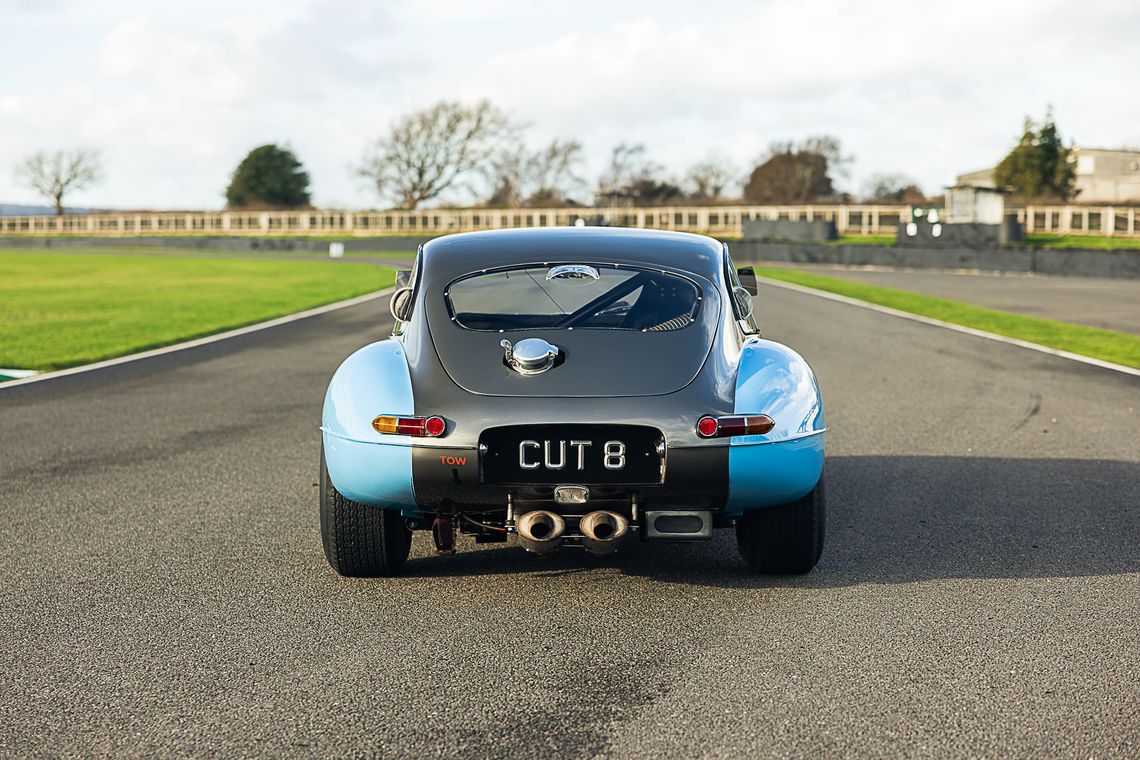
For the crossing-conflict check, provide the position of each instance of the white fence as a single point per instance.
(1080, 220)
(714, 220)
(723, 221)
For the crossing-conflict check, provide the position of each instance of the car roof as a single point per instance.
(451, 256)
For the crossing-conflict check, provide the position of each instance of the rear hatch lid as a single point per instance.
(613, 330)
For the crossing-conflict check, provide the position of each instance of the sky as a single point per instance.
(173, 97)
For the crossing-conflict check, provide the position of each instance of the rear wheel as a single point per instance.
(784, 540)
(360, 541)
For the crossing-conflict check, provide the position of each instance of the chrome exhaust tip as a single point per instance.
(602, 531)
(540, 531)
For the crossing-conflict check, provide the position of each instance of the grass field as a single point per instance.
(61, 309)
(1098, 242)
(1107, 345)
(863, 240)
(211, 253)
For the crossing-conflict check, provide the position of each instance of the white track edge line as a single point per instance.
(951, 326)
(215, 338)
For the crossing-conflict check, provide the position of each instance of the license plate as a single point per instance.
(587, 454)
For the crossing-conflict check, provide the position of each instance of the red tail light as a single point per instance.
(421, 427)
(725, 427)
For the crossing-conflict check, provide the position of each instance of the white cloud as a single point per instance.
(174, 96)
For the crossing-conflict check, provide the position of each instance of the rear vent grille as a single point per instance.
(678, 524)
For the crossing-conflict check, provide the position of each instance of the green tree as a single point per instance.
(1040, 165)
(796, 173)
(269, 176)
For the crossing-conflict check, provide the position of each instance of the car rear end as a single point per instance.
(572, 387)
(571, 394)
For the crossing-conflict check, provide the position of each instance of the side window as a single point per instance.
(741, 301)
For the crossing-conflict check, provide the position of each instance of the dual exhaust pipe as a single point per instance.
(541, 531)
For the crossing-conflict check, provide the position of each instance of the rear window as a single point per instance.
(568, 296)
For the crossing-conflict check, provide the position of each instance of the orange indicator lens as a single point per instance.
(431, 427)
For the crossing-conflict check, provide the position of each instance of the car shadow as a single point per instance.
(895, 520)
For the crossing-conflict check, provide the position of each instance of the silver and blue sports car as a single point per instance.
(573, 387)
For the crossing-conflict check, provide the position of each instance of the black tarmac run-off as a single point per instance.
(979, 594)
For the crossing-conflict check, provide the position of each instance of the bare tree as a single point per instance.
(633, 179)
(54, 174)
(433, 150)
(508, 175)
(545, 177)
(892, 188)
(709, 179)
(830, 148)
(553, 171)
(628, 166)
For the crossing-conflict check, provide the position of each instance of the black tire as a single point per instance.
(784, 540)
(361, 541)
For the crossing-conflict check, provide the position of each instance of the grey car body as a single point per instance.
(661, 380)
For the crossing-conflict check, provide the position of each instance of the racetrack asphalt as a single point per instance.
(1110, 303)
(979, 594)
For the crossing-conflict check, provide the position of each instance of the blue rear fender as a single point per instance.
(365, 466)
(784, 464)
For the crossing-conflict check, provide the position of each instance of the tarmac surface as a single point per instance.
(165, 592)
(1113, 304)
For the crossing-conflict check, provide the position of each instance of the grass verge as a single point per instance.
(864, 240)
(1096, 242)
(60, 310)
(1106, 345)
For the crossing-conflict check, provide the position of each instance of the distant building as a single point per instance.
(1103, 176)
(977, 204)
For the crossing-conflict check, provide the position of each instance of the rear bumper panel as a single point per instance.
(451, 479)
(728, 479)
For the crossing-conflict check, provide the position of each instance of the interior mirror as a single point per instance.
(401, 304)
(743, 301)
(403, 278)
(747, 277)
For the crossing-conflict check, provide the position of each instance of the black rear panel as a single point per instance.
(450, 479)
